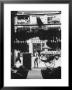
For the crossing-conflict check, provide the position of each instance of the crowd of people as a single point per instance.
(50, 61)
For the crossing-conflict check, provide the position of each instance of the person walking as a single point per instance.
(36, 60)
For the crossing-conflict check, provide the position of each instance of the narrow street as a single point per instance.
(34, 74)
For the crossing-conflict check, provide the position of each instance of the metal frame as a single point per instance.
(2, 30)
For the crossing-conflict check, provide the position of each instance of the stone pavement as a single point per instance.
(34, 74)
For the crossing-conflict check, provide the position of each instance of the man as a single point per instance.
(18, 58)
(18, 61)
(36, 60)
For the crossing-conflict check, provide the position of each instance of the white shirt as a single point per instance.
(55, 63)
(18, 64)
